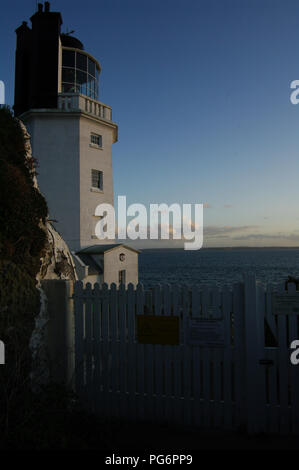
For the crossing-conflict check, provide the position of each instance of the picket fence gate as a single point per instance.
(244, 384)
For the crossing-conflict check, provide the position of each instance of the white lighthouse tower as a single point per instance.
(72, 132)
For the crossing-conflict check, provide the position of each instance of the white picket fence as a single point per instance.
(242, 384)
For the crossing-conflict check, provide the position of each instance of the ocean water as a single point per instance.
(210, 266)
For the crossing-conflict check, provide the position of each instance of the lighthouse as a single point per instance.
(72, 131)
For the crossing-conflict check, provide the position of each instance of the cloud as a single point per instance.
(211, 231)
(269, 236)
(226, 230)
(223, 236)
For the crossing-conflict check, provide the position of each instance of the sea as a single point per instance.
(217, 266)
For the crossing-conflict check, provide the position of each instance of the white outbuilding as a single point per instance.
(114, 263)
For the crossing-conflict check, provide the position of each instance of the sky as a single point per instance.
(200, 90)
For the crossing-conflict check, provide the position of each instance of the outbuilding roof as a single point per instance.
(93, 266)
(100, 249)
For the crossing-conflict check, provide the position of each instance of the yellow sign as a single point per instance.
(153, 329)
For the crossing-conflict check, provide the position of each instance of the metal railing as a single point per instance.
(76, 101)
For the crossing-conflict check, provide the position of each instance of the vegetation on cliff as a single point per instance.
(22, 241)
(51, 419)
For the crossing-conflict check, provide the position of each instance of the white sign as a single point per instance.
(285, 303)
(2, 92)
(206, 332)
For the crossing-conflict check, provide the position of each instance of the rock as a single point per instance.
(56, 263)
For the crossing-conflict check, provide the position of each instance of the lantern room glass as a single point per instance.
(80, 74)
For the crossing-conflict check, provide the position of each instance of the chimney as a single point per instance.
(47, 7)
(40, 7)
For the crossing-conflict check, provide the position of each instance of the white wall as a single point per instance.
(55, 145)
(61, 143)
(112, 266)
(93, 278)
(97, 159)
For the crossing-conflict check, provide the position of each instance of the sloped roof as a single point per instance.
(100, 249)
(93, 266)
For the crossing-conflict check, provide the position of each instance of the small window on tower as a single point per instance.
(97, 179)
(96, 140)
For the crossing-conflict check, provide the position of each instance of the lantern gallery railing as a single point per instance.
(76, 101)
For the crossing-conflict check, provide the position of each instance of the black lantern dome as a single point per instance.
(49, 62)
(70, 41)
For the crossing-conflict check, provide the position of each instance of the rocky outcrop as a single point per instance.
(56, 263)
(56, 260)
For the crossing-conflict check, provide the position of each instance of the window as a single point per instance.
(68, 58)
(96, 139)
(122, 276)
(91, 67)
(80, 73)
(81, 61)
(97, 179)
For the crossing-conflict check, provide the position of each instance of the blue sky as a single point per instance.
(200, 90)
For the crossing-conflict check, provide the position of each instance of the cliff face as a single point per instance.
(56, 259)
(55, 263)
(30, 250)
(22, 241)
(22, 208)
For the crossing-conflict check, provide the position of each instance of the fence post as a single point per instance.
(79, 338)
(254, 348)
(239, 343)
(60, 330)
